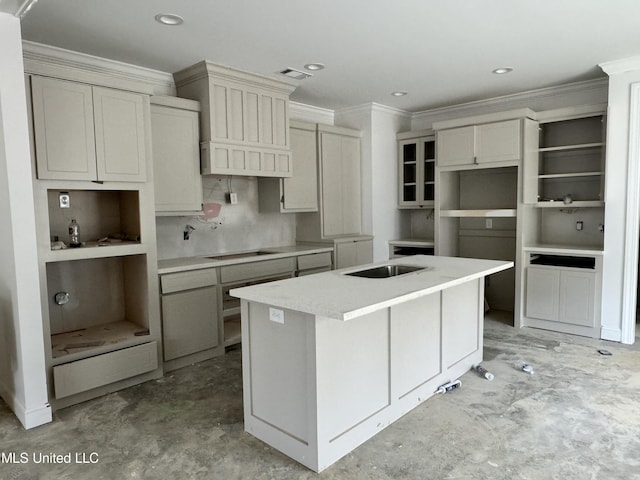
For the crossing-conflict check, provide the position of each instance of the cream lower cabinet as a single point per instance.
(176, 155)
(83, 132)
(562, 299)
(349, 253)
(190, 322)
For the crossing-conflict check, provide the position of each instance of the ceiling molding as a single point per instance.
(624, 65)
(48, 60)
(17, 8)
(309, 113)
(516, 100)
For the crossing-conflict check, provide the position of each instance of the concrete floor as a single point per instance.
(577, 417)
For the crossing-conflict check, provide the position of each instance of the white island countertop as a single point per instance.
(336, 295)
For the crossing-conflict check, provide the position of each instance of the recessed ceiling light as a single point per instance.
(502, 70)
(398, 94)
(314, 66)
(169, 19)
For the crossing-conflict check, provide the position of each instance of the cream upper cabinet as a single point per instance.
(340, 184)
(245, 120)
(88, 133)
(298, 193)
(477, 144)
(176, 155)
(416, 169)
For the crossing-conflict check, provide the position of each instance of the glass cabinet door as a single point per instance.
(416, 172)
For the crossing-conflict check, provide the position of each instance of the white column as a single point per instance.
(622, 193)
(23, 383)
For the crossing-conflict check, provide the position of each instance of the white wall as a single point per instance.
(617, 211)
(379, 126)
(22, 364)
(240, 227)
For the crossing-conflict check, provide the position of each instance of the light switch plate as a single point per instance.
(276, 315)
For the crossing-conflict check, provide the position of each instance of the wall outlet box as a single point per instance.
(488, 223)
(64, 200)
(276, 315)
(233, 198)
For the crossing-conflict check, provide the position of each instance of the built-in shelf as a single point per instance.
(575, 204)
(95, 340)
(94, 250)
(570, 175)
(232, 330)
(571, 147)
(500, 212)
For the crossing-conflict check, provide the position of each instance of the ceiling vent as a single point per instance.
(293, 73)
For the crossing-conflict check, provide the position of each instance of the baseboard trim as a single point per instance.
(29, 418)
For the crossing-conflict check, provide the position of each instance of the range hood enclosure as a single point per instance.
(244, 128)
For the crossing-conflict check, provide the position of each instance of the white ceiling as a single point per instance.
(439, 51)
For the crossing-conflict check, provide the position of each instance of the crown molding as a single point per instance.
(17, 8)
(48, 60)
(309, 113)
(513, 101)
(368, 108)
(624, 65)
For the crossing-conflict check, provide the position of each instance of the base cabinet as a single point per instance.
(353, 252)
(190, 322)
(563, 299)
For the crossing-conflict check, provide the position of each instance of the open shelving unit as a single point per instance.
(571, 158)
(102, 326)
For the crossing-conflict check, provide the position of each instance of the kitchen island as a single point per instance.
(331, 359)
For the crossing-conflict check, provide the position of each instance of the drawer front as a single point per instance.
(175, 282)
(315, 260)
(247, 271)
(94, 372)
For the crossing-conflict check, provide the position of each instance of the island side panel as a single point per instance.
(462, 327)
(278, 361)
(353, 382)
(415, 348)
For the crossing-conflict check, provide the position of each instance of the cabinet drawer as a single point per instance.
(175, 282)
(94, 372)
(314, 260)
(246, 271)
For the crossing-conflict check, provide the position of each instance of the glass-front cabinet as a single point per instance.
(416, 169)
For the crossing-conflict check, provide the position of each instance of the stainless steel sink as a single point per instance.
(231, 256)
(386, 271)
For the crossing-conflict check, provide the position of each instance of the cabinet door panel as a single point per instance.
(120, 135)
(332, 191)
(543, 286)
(189, 322)
(301, 190)
(498, 142)
(351, 208)
(577, 294)
(176, 159)
(456, 146)
(461, 327)
(364, 252)
(64, 129)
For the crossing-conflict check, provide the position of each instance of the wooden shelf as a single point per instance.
(571, 147)
(500, 212)
(574, 204)
(68, 346)
(570, 175)
(93, 250)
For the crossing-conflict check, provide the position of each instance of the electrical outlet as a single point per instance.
(488, 223)
(276, 315)
(232, 198)
(579, 225)
(64, 200)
